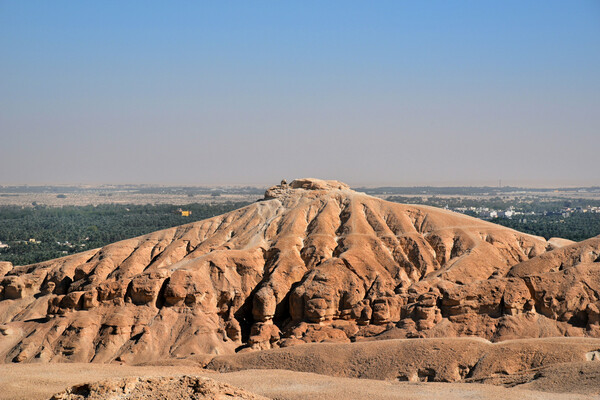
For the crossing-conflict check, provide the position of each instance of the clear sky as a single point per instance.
(249, 92)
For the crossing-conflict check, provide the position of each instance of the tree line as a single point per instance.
(66, 230)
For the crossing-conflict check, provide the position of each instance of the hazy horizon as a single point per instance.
(385, 94)
(268, 184)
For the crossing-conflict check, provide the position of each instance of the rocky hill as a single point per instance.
(312, 262)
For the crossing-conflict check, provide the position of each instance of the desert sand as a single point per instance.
(38, 381)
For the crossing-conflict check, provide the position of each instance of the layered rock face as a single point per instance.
(314, 261)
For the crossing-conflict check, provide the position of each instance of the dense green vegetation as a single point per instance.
(71, 229)
(579, 226)
(547, 217)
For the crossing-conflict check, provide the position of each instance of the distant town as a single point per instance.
(487, 213)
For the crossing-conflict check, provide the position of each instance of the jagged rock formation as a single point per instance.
(314, 261)
(165, 388)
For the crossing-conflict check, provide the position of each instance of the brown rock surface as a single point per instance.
(313, 262)
(575, 377)
(165, 388)
(420, 360)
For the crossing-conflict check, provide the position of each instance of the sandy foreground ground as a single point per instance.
(41, 381)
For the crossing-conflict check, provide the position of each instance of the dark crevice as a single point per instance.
(371, 220)
(465, 371)
(282, 311)
(426, 375)
(387, 219)
(160, 298)
(500, 312)
(529, 285)
(351, 269)
(339, 248)
(344, 216)
(310, 225)
(42, 320)
(81, 390)
(368, 292)
(128, 290)
(136, 338)
(456, 248)
(156, 258)
(579, 320)
(62, 286)
(244, 316)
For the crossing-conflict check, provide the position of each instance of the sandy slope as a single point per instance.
(414, 360)
(40, 381)
(552, 368)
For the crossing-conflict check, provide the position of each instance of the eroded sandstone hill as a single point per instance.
(314, 261)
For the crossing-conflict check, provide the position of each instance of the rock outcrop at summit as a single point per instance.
(314, 261)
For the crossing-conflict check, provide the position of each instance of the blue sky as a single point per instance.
(402, 93)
